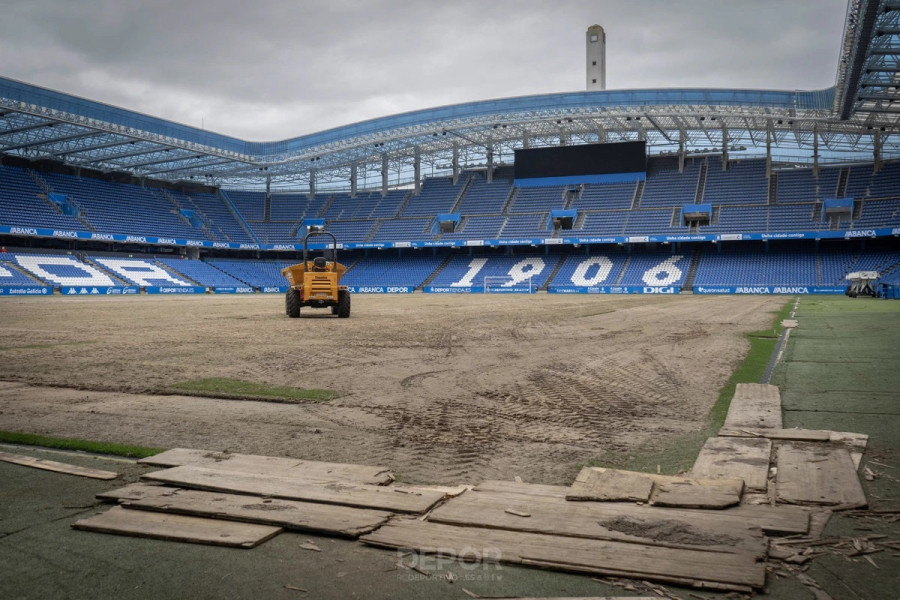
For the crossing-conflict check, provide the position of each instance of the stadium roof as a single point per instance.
(857, 119)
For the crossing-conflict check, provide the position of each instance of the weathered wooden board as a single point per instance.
(136, 491)
(527, 489)
(178, 528)
(272, 465)
(56, 467)
(392, 498)
(755, 405)
(774, 520)
(800, 435)
(735, 458)
(555, 516)
(613, 485)
(715, 570)
(697, 493)
(789, 323)
(817, 474)
(855, 443)
(332, 519)
(670, 490)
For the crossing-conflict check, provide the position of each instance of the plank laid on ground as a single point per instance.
(394, 498)
(613, 485)
(715, 570)
(789, 323)
(800, 435)
(668, 490)
(687, 492)
(650, 526)
(136, 491)
(735, 458)
(290, 514)
(817, 474)
(855, 443)
(754, 405)
(272, 465)
(527, 489)
(774, 520)
(178, 528)
(56, 467)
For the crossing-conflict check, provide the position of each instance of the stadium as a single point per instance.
(539, 282)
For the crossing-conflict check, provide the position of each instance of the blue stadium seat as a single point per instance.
(463, 271)
(24, 204)
(379, 270)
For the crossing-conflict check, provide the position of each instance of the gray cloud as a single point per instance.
(273, 69)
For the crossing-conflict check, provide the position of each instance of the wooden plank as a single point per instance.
(789, 323)
(774, 520)
(698, 493)
(136, 491)
(735, 458)
(526, 489)
(393, 498)
(272, 465)
(801, 435)
(613, 485)
(715, 570)
(302, 516)
(179, 528)
(671, 490)
(555, 516)
(817, 474)
(855, 443)
(56, 467)
(755, 405)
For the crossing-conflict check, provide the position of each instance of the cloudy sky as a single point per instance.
(274, 69)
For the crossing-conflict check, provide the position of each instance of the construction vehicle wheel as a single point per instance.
(343, 307)
(292, 303)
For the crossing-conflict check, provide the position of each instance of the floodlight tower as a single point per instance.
(595, 40)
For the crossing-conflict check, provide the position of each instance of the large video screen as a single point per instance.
(589, 159)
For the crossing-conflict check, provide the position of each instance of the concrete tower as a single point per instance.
(595, 40)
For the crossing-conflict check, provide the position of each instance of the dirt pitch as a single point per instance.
(443, 389)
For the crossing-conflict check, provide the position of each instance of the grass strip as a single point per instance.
(30, 439)
(679, 454)
(751, 370)
(223, 387)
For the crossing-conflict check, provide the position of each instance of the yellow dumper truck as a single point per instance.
(316, 283)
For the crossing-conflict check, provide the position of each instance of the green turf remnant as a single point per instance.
(223, 387)
(841, 368)
(30, 439)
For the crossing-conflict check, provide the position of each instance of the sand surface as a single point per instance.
(442, 389)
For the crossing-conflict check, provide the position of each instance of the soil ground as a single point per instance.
(440, 389)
